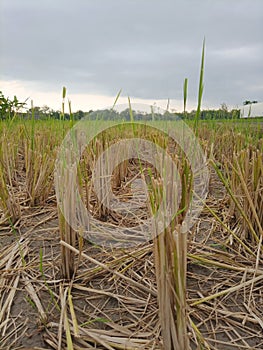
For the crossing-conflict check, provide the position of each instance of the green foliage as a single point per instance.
(209, 114)
(213, 114)
(9, 108)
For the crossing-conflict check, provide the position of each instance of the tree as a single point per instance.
(46, 110)
(78, 115)
(224, 107)
(8, 108)
(247, 102)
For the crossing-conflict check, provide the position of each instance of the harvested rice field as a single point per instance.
(61, 288)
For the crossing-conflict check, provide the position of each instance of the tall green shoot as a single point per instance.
(32, 126)
(185, 94)
(64, 92)
(200, 90)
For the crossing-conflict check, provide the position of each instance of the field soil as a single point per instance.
(112, 297)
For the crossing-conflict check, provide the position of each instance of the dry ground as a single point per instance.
(114, 293)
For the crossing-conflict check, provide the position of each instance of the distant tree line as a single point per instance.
(48, 113)
(10, 108)
(221, 113)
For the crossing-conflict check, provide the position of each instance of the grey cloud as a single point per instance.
(145, 47)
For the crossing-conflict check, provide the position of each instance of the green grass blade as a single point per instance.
(200, 90)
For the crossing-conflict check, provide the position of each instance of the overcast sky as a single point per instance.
(144, 47)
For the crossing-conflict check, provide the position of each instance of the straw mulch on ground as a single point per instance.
(111, 303)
